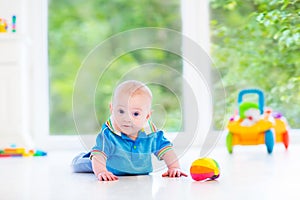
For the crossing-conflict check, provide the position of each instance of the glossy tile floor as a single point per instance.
(250, 173)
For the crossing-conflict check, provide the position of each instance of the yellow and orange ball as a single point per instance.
(205, 169)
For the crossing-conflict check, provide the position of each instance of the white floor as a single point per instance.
(250, 173)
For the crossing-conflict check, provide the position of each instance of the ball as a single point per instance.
(205, 169)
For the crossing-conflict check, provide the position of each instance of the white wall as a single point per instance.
(39, 88)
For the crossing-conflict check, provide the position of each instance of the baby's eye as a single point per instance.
(121, 111)
(136, 114)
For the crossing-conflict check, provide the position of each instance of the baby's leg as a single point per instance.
(82, 163)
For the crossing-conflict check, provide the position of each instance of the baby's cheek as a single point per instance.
(139, 123)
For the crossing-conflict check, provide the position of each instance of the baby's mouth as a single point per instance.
(127, 126)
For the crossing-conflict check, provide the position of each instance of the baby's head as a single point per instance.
(131, 106)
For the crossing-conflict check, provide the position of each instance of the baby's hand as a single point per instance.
(174, 172)
(106, 176)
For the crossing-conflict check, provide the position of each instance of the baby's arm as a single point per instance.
(99, 168)
(172, 163)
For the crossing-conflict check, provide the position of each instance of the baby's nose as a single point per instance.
(127, 118)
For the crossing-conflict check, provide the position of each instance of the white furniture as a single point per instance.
(14, 76)
(14, 69)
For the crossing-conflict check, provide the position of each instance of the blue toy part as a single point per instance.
(269, 140)
(261, 100)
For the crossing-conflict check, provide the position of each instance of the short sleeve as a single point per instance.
(161, 145)
(103, 143)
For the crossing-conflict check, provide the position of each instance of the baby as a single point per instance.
(128, 138)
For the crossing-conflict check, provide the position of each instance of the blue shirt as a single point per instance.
(125, 156)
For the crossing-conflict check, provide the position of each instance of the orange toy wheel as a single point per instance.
(285, 139)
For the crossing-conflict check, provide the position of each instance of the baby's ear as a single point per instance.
(149, 115)
(110, 107)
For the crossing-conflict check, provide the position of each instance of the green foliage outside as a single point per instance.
(77, 26)
(256, 44)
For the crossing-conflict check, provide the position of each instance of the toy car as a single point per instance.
(255, 125)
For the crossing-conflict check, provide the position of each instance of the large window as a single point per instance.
(254, 44)
(77, 26)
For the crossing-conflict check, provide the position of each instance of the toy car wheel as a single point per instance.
(229, 142)
(269, 140)
(285, 139)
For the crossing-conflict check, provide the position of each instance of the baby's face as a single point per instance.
(130, 113)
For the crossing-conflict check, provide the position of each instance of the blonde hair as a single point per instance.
(132, 87)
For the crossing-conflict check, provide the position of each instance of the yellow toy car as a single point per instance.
(253, 125)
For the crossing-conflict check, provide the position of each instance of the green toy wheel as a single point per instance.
(229, 142)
